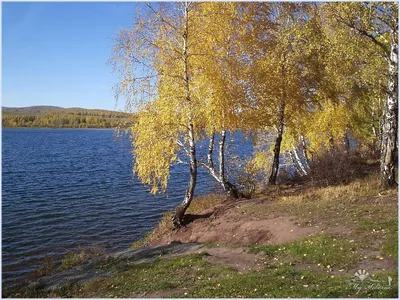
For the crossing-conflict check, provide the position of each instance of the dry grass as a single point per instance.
(198, 205)
(350, 193)
(344, 204)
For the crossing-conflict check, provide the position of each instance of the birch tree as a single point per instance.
(219, 84)
(377, 23)
(154, 63)
(285, 68)
(346, 93)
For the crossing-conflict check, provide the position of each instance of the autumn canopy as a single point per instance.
(304, 79)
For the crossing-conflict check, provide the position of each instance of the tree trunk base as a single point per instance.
(177, 219)
(232, 191)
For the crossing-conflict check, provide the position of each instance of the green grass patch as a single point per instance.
(378, 224)
(383, 228)
(325, 250)
(193, 277)
(181, 272)
(269, 250)
(287, 282)
(391, 245)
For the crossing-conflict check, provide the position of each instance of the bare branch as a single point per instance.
(362, 31)
(205, 165)
(179, 161)
(160, 18)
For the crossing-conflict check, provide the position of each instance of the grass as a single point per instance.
(183, 272)
(325, 250)
(349, 193)
(285, 282)
(344, 205)
(391, 246)
(202, 203)
(193, 277)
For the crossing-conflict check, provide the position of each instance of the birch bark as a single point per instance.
(389, 150)
(181, 209)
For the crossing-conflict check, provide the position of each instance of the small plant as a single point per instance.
(251, 172)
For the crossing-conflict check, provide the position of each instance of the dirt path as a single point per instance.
(238, 258)
(229, 225)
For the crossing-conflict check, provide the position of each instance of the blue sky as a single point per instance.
(56, 53)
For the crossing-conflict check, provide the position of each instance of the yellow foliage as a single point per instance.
(260, 163)
(243, 63)
(155, 147)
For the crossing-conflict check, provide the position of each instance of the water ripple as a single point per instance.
(63, 189)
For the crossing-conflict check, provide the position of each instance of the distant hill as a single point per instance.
(59, 117)
(33, 110)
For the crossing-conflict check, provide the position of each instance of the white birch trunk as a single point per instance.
(389, 132)
(299, 161)
(304, 149)
(294, 162)
(346, 142)
(210, 151)
(375, 134)
(181, 209)
(281, 120)
(222, 155)
(228, 187)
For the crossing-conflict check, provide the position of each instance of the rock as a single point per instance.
(91, 269)
(150, 254)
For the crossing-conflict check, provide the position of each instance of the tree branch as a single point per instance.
(160, 18)
(362, 31)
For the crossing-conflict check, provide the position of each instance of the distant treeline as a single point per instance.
(64, 118)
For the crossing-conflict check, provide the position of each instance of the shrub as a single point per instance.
(335, 167)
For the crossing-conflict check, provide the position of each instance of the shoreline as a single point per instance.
(102, 128)
(254, 240)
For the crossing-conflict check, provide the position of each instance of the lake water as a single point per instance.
(67, 189)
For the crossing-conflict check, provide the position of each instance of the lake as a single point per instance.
(67, 189)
